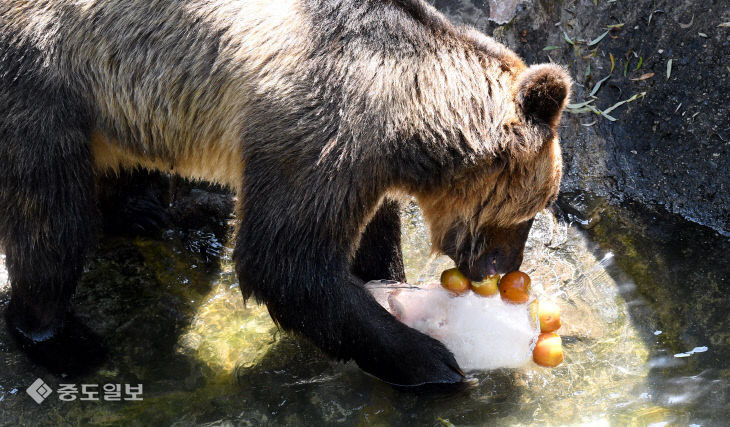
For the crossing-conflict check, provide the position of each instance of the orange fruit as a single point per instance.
(549, 314)
(548, 350)
(515, 286)
(486, 287)
(453, 280)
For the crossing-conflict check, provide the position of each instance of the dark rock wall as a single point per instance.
(672, 147)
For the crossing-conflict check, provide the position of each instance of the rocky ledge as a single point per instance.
(670, 144)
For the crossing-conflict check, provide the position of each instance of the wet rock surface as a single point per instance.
(644, 343)
(671, 148)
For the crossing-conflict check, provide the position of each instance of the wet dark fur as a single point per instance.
(315, 112)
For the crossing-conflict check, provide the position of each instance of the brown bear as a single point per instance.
(317, 113)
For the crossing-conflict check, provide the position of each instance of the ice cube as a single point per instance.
(482, 332)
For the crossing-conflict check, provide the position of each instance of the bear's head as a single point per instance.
(482, 216)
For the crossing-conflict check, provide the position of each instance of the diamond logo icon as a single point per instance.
(39, 390)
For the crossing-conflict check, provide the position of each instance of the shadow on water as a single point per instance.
(304, 387)
(131, 301)
(675, 278)
(644, 297)
(181, 328)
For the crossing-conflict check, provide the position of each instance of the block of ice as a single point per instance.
(482, 332)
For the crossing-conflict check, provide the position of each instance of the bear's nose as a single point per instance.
(485, 265)
(491, 268)
(489, 264)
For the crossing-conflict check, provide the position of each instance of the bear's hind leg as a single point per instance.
(379, 255)
(47, 207)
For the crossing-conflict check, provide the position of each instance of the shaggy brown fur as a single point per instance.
(313, 111)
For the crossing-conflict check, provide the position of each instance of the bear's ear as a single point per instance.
(543, 92)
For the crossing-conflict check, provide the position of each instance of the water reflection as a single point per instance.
(645, 331)
(678, 296)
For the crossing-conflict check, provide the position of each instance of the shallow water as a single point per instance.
(646, 335)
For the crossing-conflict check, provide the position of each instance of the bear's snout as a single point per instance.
(476, 271)
(500, 250)
(490, 264)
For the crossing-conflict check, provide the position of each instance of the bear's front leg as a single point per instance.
(48, 220)
(296, 263)
(379, 255)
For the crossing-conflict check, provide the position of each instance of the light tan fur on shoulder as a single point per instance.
(171, 84)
